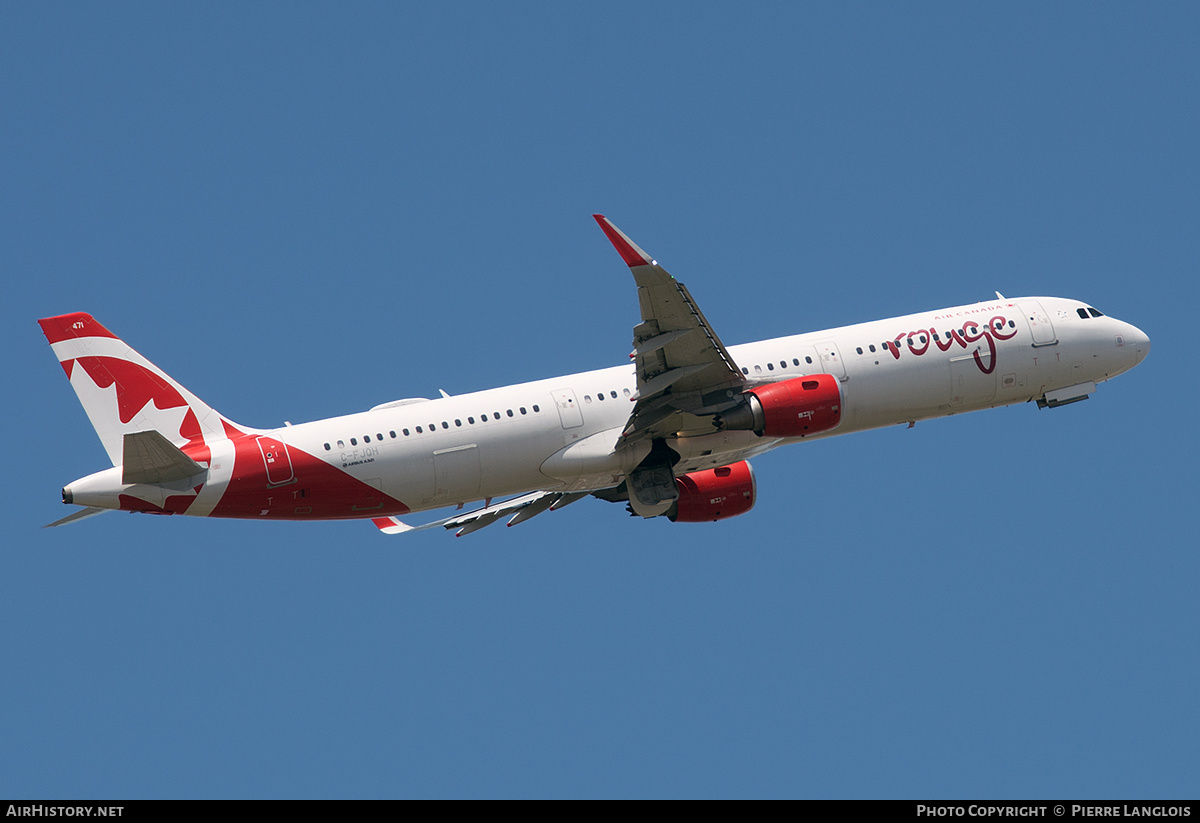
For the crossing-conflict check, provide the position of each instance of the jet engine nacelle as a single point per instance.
(790, 408)
(714, 494)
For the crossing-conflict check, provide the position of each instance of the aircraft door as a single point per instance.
(831, 359)
(568, 408)
(1039, 324)
(276, 460)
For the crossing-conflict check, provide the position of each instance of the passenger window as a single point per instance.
(419, 430)
(471, 420)
(872, 347)
(600, 397)
(393, 434)
(808, 360)
(445, 425)
(353, 442)
(770, 367)
(587, 398)
(612, 394)
(536, 409)
(795, 361)
(510, 414)
(744, 371)
(626, 391)
(859, 350)
(405, 431)
(326, 447)
(496, 415)
(457, 422)
(341, 444)
(366, 438)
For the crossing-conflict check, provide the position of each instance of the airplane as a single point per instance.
(670, 434)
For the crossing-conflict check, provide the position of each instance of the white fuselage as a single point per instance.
(562, 433)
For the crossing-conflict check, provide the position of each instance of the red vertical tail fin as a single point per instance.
(123, 392)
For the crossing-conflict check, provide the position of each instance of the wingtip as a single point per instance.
(391, 525)
(629, 251)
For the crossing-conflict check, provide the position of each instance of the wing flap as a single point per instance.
(652, 344)
(522, 508)
(675, 350)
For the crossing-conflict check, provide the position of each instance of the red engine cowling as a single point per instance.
(714, 494)
(790, 408)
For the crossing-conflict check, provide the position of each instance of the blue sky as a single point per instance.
(302, 210)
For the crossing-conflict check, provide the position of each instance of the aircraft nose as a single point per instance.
(1140, 342)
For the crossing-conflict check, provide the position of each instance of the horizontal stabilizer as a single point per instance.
(148, 457)
(81, 514)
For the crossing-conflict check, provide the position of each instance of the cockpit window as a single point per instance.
(1094, 312)
(1082, 313)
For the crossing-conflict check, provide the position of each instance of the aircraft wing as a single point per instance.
(684, 372)
(521, 508)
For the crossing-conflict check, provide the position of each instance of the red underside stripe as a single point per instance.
(317, 491)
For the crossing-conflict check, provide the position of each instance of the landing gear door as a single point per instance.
(568, 408)
(1039, 324)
